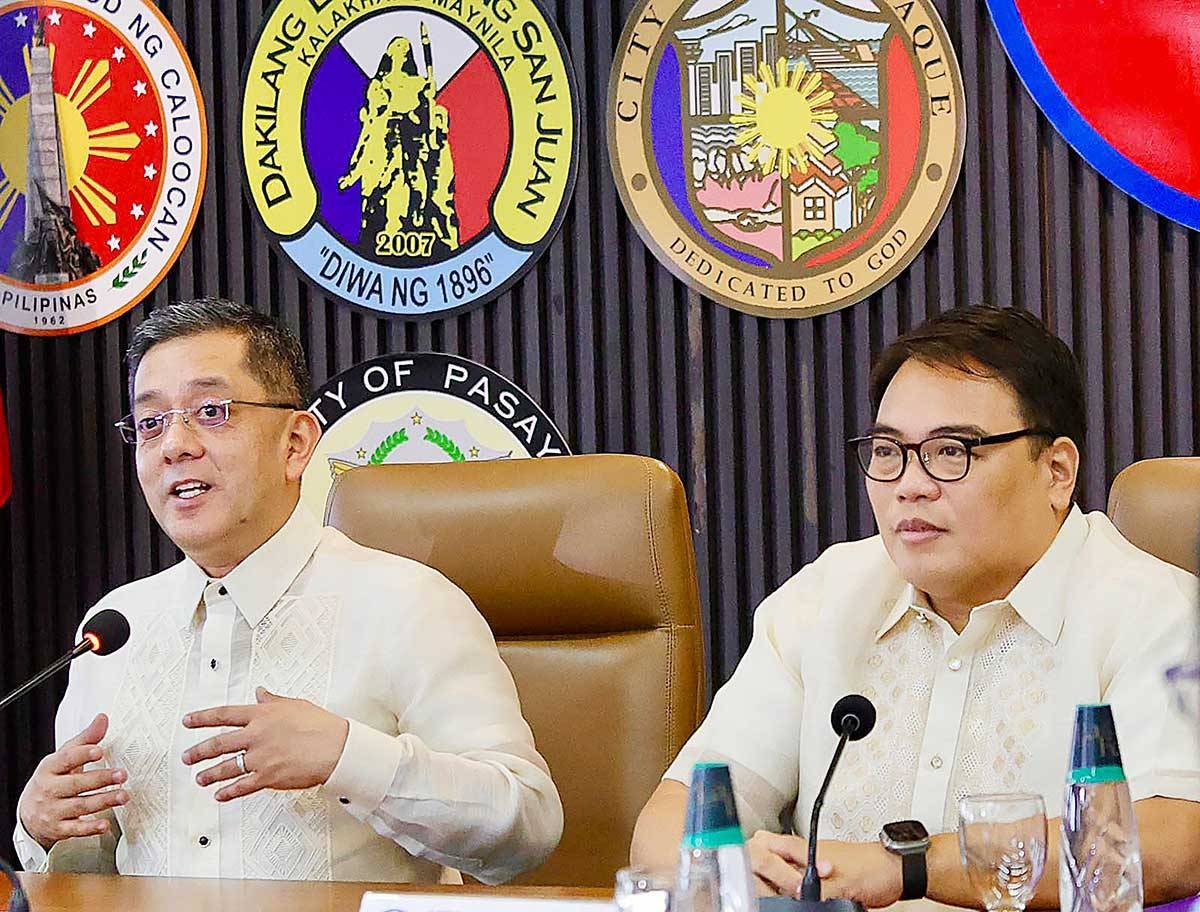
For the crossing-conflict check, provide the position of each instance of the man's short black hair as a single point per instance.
(1001, 344)
(273, 354)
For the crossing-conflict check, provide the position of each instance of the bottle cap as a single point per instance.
(712, 818)
(1095, 753)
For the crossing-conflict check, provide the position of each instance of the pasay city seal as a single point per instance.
(785, 158)
(103, 151)
(422, 407)
(413, 157)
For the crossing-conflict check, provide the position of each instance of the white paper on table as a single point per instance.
(453, 902)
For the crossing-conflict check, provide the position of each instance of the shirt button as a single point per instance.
(213, 664)
(936, 761)
(344, 800)
(955, 664)
(222, 591)
(203, 840)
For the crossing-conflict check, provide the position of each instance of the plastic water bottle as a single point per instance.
(714, 867)
(1100, 869)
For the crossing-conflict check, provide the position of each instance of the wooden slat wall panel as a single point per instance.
(751, 412)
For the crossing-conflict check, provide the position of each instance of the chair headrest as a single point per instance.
(1155, 504)
(558, 546)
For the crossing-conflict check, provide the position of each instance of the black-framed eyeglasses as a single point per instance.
(944, 458)
(207, 415)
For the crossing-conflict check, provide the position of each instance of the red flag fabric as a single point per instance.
(1122, 88)
(5, 462)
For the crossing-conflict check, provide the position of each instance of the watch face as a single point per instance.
(903, 831)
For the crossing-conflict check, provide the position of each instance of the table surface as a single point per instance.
(74, 892)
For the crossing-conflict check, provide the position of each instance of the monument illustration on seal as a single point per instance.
(50, 251)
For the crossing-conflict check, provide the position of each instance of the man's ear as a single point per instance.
(302, 435)
(1061, 459)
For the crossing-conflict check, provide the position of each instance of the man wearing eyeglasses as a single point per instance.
(289, 704)
(988, 606)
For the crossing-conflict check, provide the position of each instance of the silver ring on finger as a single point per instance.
(240, 759)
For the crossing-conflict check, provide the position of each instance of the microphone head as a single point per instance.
(853, 715)
(107, 631)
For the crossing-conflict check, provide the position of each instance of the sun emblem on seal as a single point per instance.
(786, 122)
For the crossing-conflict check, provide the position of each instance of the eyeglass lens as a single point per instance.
(208, 415)
(883, 459)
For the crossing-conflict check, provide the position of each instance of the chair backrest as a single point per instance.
(1155, 504)
(585, 570)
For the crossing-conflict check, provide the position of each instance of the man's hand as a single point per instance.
(288, 744)
(56, 801)
(864, 871)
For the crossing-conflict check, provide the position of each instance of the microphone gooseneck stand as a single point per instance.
(852, 719)
(810, 886)
(82, 648)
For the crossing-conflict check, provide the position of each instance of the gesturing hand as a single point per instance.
(287, 744)
(56, 800)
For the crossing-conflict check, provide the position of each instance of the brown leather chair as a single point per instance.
(584, 568)
(1155, 504)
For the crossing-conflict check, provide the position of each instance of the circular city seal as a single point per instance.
(413, 157)
(422, 407)
(786, 158)
(103, 152)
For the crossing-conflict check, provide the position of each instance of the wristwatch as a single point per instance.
(910, 840)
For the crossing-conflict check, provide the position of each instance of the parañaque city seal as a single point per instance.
(786, 157)
(103, 151)
(422, 407)
(414, 157)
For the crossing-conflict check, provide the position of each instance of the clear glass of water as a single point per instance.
(1002, 843)
(641, 890)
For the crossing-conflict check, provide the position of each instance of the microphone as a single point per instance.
(852, 719)
(105, 632)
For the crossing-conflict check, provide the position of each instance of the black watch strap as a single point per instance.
(916, 875)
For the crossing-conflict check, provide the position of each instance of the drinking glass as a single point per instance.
(1002, 842)
(641, 890)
